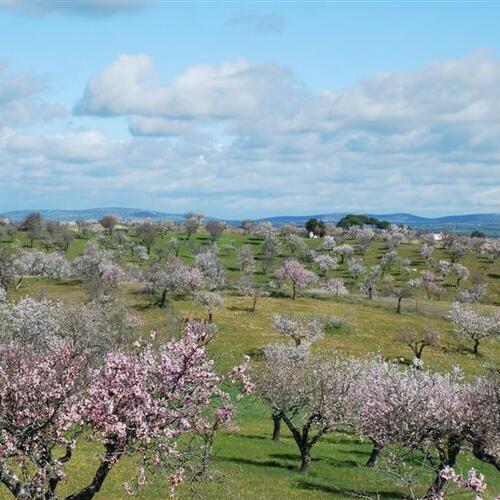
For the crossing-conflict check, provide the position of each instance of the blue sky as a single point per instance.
(250, 109)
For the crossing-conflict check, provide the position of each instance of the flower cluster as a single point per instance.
(473, 481)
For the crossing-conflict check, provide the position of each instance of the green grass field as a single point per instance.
(247, 463)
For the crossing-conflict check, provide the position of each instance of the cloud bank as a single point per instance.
(245, 139)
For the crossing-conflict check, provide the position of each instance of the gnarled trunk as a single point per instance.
(111, 457)
(305, 455)
(476, 347)
(377, 448)
(448, 459)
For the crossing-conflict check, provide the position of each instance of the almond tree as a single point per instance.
(482, 401)
(172, 278)
(39, 392)
(420, 410)
(328, 244)
(356, 268)
(471, 324)
(418, 341)
(139, 404)
(335, 286)
(191, 224)
(325, 263)
(311, 394)
(147, 232)
(8, 270)
(460, 271)
(399, 290)
(210, 300)
(246, 259)
(96, 270)
(388, 260)
(302, 330)
(432, 284)
(84, 229)
(270, 250)
(247, 286)
(108, 222)
(296, 274)
(426, 252)
(211, 268)
(98, 326)
(173, 245)
(41, 264)
(215, 228)
(345, 251)
(33, 225)
(473, 294)
(457, 250)
(295, 243)
(369, 280)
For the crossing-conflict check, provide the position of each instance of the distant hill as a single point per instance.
(488, 223)
(95, 214)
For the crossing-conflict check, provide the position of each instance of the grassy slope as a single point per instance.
(249, 464)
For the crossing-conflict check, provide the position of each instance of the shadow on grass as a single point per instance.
(261, 463)
(254, 436)
(307, 485)
(239, 308)
(460, 349)
(330, 461)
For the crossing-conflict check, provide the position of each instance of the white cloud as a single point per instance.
(231, 90)
(239, 139)
(21, 99)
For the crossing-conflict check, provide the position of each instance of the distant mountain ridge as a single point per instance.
(95, 214)
(488, 223)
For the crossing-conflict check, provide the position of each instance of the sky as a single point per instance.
(251, 109)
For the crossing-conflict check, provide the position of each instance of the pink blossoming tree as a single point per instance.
(296, 274)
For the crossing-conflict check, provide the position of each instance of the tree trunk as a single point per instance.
(478, 449)
(210, 317)
(110, 459)
(377, 448)
(454, 446)
(277, 428)
(476, 347)
(306, 459)
(163, 299)
(398, 310)
(254, 303)
(436, 488)
(294, 291)
(10, 480)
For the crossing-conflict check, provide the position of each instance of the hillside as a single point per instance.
(488, 223)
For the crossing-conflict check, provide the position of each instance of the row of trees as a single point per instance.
(431, 415)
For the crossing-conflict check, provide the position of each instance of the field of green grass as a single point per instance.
(247, 463)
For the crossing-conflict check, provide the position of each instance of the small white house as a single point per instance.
(437, 236)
